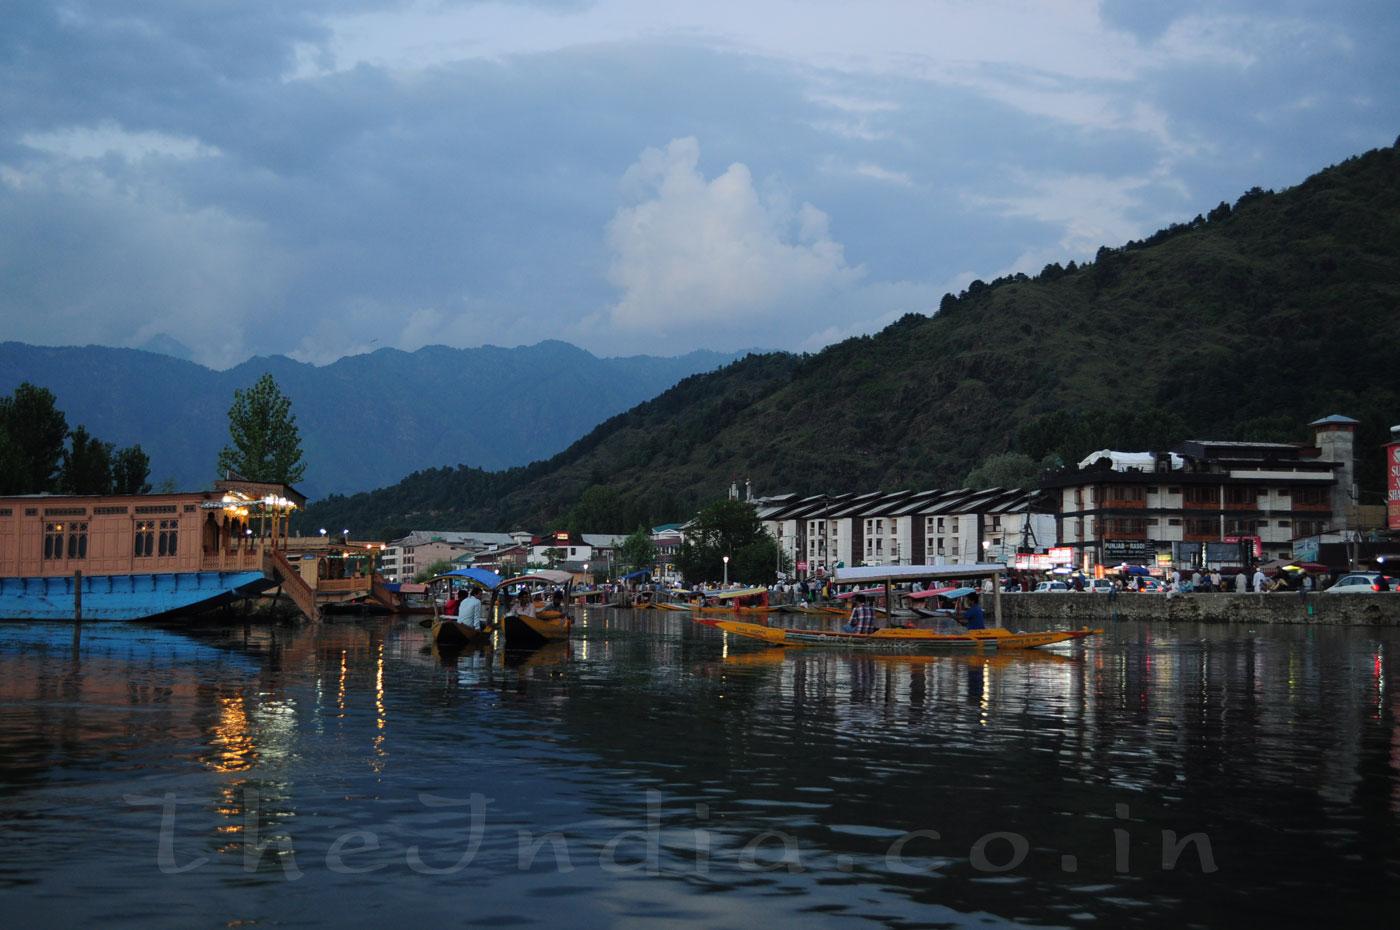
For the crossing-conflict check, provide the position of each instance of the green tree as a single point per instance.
(1005, 470)
(266, 442)
(637, 550)
(439, 567)
(731, 528)
(131, 471)
(32, 434)
(87, 465)
(598, 511)
(554, 555)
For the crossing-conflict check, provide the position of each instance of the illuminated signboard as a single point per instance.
(1062, 555)
(1392, 485)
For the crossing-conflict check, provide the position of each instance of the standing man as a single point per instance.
(1259, 581)
(1241, 582)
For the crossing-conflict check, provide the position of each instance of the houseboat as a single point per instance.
(135, 557)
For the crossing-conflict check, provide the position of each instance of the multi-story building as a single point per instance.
(404, 558)
(1206, 501)
(937, 527)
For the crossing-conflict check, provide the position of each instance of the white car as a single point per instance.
(1098, 585)
(1359, 583)
(1054, 586)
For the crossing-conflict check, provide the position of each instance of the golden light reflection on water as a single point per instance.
(380, 714)
(340, 689)
(232, 745)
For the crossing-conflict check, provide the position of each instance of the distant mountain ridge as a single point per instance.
(1245, 323)
(366, 420)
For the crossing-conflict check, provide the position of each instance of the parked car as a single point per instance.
(1152, 586)
(1360, 583)
(1098, 585)
(1054, 586)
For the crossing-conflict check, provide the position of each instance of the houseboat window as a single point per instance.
(145, 540)
(77, 540)
(168, 532)
(53, 540)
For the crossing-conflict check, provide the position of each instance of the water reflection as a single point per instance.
(741, 782)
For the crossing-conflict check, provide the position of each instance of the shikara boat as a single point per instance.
(451, 633)
(520, 630)
(738, 601)
(899, 639)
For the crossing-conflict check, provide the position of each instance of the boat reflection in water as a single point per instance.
(688, 778)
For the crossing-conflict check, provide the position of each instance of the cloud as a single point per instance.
(696, 252)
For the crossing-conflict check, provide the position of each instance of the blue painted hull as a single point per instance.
(125, 597)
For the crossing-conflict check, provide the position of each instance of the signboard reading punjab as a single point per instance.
(1132, 551)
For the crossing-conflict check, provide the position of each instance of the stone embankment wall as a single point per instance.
(1079, 609)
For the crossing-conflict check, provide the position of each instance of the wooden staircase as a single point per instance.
(379, 593)
(301, 593)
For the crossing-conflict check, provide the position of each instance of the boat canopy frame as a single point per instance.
(890, 575)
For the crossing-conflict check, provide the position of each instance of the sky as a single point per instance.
(329, 177)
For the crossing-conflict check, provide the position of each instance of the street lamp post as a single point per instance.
(726, 571)
(986, 546)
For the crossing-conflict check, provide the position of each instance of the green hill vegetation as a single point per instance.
(1245, 323)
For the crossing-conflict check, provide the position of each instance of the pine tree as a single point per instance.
(32, 433)
(266, 443)
(87, 465)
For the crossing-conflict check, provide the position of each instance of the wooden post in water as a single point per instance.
(996, 597)
(77, 595)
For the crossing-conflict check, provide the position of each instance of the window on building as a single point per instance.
(1151, 489)
(169, 537)
(940, 524)
(955, 524)
(1173, 490)
(1283, 492)
(53, 540)
(144, 540)
(1241, 495)
(1174, 521)
(1124, 492)
(77, 540)
(1313, 496)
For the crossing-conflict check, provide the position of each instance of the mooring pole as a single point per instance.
(77, 595)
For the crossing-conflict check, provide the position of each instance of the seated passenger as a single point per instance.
(862, 617)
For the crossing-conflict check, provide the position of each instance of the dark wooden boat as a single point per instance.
(452, 633)
(522, 632)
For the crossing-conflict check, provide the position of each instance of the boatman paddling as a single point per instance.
(862, 617)
(971, 616)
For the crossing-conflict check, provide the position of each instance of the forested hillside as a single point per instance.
(1244, 323)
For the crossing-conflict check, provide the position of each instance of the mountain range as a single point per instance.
(365, 420)
(1245, 322)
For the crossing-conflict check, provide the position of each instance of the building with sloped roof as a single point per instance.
(931, 527)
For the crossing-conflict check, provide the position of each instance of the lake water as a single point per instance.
(652, 773)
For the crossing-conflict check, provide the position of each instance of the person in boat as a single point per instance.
(525, 605)
(971, 616)
(556, 601)
(469, 611)
(862, 617)
(454, 602)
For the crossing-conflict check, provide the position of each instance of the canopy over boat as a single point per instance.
(639, 573)
(487, 579)
(869, 592)
(894, 574)
(950, 593)
(741, 592)
(540, 576)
